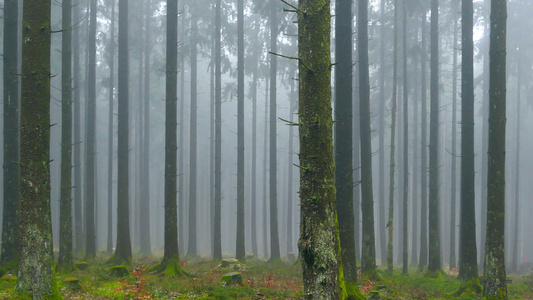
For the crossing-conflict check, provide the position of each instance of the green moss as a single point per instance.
(81, 265)
(119, 271)
(232, 278)
(469, 287)
(169, 267)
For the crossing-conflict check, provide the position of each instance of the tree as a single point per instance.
(192, 248)
(171, 262)
(10, 230)
(90, 139)
(36, 272)
(516, 228)
(405, 262)
(274, 234)
(123, 245)
(343, 139)
(434, 262)
(390, 223)
(319, 236)
(217, 235)
(76, 102)
(368, 256)
(468, 270)
(110, 131)
(240, 249)
(66, 260)
(495, 283)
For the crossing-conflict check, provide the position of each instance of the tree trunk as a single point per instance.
(343, 139)
(368, 256)
(265, 169)
(253, 215)
(36, 272)
(110, 151)
(434, 262)
(319, 238)
(181, 153)
(10, 229)
(453, 179)
(66, 260)
(192, 250)
(405, 236)
(290, 194)
(495, 283)
(240, 249)
(123, 245)
(415, 171)
(217, 249)
(145, 159)
(390, 223)
(78, 219)
(423, 154)
(516, 230)
(468, 270)
(274, 234)
(381, 179)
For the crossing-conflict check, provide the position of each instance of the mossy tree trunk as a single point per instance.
(495, 285)
(343, 138)
(368, 250)
(468, 269)
(66, 260)
(390, 222)
(90, 139)
(319, 235)
(36, 272)
(10, 230)
(240, 247)
(110, 131)
(123, 245)
(434, 249)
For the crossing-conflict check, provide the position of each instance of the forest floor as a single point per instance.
(260, 280)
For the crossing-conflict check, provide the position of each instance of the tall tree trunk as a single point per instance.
(192, 250)
(36, 272)
(66, 260)
(240, 249)
(274, 234)
(78, 219)
(123, 245)
(290, 194)
(368, 256)
(10, 228)
(405, 236)
(212, 144)
(265, 169)
(356, 147)
(181, 153)
(434, 261)
(415, 172)
(343, 139)
(90, 139)
(390, 223)
(468, 270)
(217, 249)
(516, 229)
(110, 132)
(171, 255)
(423, 153)
(253, 215)
(144, 204)
(495, 283)
(453, 179)
(381, 128)
(319, 238)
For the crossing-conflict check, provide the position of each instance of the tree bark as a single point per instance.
(405, 236)
(240, 247)
(217, 249)
(453, 179)
(110, 132)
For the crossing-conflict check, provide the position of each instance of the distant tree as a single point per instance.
(253, 215)
(368, 256)
(274, 233)
(171, 258)
(434, 262)
(90, 139)
(423, 151)
(495, 283)
(36, 261)
(240, 245)
(390, 223)
(66, 259)
(110, 130)
(76, 146)
(468, 270)
(10, 229)
(516, 228)
(319, 238)
(405, 236)
(123, 245)
(343, 139)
